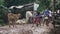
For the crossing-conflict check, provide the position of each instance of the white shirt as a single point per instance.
(50, 13)
(58, 11)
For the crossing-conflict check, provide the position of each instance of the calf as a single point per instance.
(12, 18)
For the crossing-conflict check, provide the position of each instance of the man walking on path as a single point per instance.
(47, 16)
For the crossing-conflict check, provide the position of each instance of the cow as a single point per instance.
(28, 16)
(12, 18)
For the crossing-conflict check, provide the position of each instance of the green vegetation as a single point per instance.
(44, 4)
(9, 3)
(1, 14)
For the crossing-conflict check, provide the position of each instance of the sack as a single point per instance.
(46, 17)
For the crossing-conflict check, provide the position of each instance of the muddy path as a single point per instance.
(26, 29)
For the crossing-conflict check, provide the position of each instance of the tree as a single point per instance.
(1, 2)
(9, 3)
(2, 15)
(44, 4)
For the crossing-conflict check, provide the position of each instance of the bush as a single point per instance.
(3, 18)
(2, 22)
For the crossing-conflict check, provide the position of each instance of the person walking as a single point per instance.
(46, 20)
(36, 19)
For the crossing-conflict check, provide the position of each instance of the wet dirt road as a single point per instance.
(26, 29)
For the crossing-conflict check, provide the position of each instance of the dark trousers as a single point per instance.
(30, 20)
(46, 21)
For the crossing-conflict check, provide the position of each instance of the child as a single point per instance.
(36, 19)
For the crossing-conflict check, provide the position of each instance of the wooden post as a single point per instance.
(59, 4)
(53, 9)
(53, 6)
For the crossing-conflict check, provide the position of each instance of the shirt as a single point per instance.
(47, 12)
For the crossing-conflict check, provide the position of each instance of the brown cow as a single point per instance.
(12, 18)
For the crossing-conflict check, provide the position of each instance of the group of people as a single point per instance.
(41, 18)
